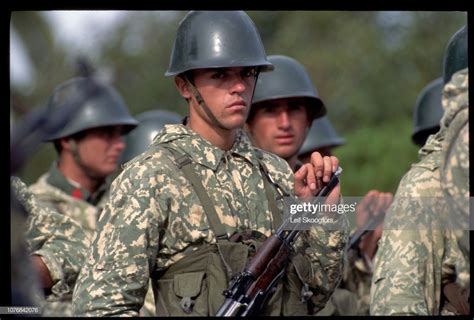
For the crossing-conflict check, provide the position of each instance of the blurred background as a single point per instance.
(368, 68)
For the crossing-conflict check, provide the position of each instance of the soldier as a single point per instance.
(421, 267)
(88, 148)
(428, 112)
(283, 108)
(174, 207)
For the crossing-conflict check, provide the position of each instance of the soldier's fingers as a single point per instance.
(387, 200)
(335, 163)
(327, 169)
(300, 176)
(311, 179)
(317, 163)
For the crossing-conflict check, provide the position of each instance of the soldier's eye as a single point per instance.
(248, 73)
(219, 75)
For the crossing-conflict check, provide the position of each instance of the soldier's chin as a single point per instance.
(235, 123)
(285, 152)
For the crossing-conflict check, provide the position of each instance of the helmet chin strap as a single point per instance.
(77, 159)
(205, 107)
(203, 104)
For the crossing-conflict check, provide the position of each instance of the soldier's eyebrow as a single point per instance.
(221, 69)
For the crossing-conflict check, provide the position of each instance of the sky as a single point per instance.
(73, 29)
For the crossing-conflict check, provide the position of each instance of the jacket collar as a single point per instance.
(72, 188)
(202, 151)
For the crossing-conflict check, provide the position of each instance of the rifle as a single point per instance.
(251, 288)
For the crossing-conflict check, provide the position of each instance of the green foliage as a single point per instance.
(376, 157)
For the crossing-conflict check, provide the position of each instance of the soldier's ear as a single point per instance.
(65, 143)
(183, 87)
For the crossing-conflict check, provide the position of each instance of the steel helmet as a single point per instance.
(321, 134)
(149, 124)
(215, 39)
(289, 79)
(455, 56)
(105, 107)
(428, 111)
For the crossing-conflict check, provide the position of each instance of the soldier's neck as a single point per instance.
(222, 138)
(72, 171)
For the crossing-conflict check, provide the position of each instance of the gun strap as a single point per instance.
(184, 163)
(267, 180)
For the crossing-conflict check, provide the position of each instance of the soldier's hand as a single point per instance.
(311, 177)
(374, 204)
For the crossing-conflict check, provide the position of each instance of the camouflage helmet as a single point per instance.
(104, 108)
(428, 112)
(149, 124)
(455, 55)
(288, 80)
(321, 134)
(216, 39)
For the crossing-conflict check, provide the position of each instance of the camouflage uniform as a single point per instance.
(413, 263)
(154, 219)
(352, 296)
(62, 238)
(24, 280)
(455, 163)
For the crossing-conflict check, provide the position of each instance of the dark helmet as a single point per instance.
(321, 134)
(214, 39)
(150, 123)
(428, 111)
(104, 108)
(289, 79)
(455, 55)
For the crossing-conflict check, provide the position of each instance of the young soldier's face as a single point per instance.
(227, 92)
(100, 149)
(279, 126)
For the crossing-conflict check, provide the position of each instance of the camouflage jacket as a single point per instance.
(25, 285)
(61, 236)
(154, 216)
(417, 253)
(455, 162)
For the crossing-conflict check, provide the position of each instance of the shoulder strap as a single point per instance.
(184, 163)
(267, 182)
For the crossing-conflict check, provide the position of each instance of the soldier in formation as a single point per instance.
(422, 265)
(88, 149)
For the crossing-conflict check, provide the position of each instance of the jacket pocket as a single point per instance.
(184, 295)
